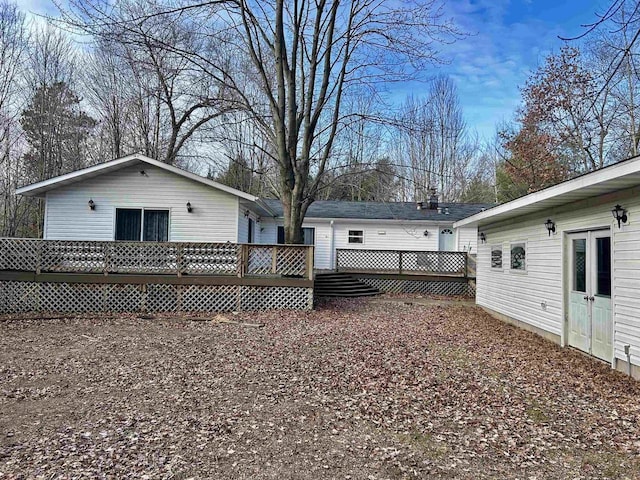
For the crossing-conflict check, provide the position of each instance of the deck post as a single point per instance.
(40, 246)
(179, 259)
(243, 260)
(274, 259)
(466, 265)
(309, 263)
(106, 252)
(400, 262)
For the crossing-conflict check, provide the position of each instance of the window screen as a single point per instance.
(156, 226)
(128, 224)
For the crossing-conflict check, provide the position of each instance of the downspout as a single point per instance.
(332, 252)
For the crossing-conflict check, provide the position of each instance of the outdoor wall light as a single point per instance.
(258, 219)
(620, 214)
(92, 205)
(483, 237)
(189, 207)
(551, 227)
(246, 213)
(426, 233)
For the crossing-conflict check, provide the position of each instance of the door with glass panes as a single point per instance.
(589, 315)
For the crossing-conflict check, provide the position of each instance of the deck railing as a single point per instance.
(160, 258)
(402, 262)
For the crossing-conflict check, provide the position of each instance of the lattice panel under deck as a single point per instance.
(270, 298)
(16, 297)
(124, 298)
(210, 298)
(420, 286)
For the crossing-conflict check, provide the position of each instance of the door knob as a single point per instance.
(586, 297)
(592, 298)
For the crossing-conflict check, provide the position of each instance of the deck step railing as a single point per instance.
(160, 258)
(402, 262)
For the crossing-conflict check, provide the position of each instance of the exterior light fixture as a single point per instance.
(551, 227)
(483, 237)
(620, 214)
(426, 233)
(92, 205)
(189, 207)
(246, 213)
(258, 219)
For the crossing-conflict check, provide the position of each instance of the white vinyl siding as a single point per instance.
(467, 239)
(213, 219)
(537, 297)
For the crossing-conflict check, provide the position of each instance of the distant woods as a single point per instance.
(580, 108)
(294, 100)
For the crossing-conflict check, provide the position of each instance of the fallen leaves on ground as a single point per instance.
(352, 390)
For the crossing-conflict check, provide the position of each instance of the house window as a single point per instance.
(356, 236)
(496, 256)
(308, 234)
(251, 228)
(518, 254)
(136, 224)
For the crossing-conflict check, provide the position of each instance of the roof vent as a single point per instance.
(419, 205)
(433, 199)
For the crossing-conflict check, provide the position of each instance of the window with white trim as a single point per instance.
(518, 256)
(140, 224)
(356, 236)
(496, 257)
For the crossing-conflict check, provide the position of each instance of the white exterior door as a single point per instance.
(446, 240)
(589, 293)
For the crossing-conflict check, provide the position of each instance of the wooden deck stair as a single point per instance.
(341, 285)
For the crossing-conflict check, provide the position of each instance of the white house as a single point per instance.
(565, 263)
(137, 198)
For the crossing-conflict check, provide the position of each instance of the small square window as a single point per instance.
(496, 256)
(356, 236)
(518, 256)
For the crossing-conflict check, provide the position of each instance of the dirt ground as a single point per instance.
(353, 390)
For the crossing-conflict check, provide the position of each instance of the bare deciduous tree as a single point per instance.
(304, 58)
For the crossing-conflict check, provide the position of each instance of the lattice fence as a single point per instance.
(420, 286)
(171, 258)
(401, 261)
(18, 297)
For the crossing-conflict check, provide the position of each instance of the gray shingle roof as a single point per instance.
(385, 210)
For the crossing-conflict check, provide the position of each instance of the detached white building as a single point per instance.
(565, 262)
(137, 198)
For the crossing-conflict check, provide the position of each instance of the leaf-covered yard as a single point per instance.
(354, 390)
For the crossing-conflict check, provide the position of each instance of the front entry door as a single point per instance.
(589, 316)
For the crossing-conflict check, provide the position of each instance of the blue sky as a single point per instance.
(508, 40)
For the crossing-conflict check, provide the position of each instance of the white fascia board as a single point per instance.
(602, 176)
(393, 221)
(78, 175)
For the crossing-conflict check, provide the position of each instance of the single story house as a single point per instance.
(138, 198)
(565, 262)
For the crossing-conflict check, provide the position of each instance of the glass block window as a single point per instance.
(496, 256)
(518, 254)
